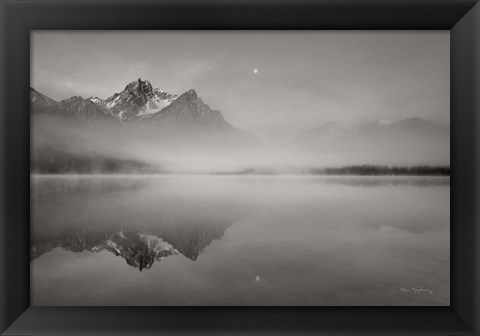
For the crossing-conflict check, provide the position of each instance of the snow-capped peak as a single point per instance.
(96, 100)
(139, 98)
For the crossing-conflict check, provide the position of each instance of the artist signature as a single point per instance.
(414, 290)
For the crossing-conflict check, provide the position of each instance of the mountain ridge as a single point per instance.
(139, 101)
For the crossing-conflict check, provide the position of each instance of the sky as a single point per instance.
(303, 78)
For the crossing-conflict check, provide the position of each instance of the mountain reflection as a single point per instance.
(140, 249)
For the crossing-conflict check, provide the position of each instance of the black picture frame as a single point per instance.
(19, 17)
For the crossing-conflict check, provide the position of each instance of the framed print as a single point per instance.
(207, 168)
(297, 188)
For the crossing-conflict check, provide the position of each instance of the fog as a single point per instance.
(294, 152)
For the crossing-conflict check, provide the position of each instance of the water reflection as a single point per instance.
(205, 240)
(139, 249)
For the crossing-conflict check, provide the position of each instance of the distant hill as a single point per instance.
(412, 141)
(406, 126)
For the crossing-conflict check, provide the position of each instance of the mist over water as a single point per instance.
(137, 148)
(233, 240)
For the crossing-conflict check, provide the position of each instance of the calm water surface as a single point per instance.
(228, 240)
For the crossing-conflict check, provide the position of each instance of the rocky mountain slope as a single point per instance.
(137, 99)
(139, 102)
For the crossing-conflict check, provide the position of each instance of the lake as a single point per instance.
(240, 240)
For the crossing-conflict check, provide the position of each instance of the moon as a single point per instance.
(255, 71)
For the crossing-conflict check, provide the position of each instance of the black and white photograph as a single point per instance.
(240, 168)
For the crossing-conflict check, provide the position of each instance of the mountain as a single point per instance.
(139, 98)
(189, 113)
(140, 102)
(419, 124)
(410, 125)
(332, 128)
(76, 107)
(84, 109)
(412, 141)
(39, 99)
(41, 104)
(414, 124)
